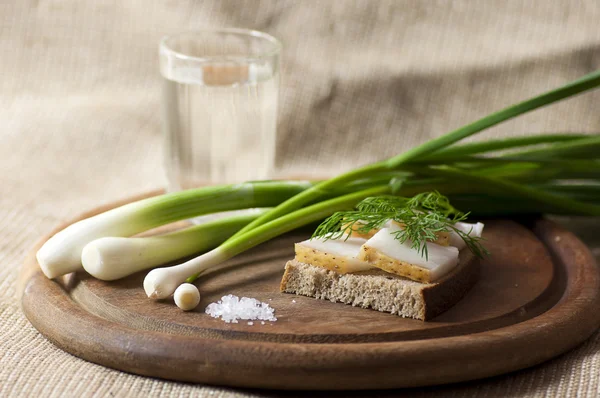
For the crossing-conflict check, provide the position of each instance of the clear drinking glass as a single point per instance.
(220, 94)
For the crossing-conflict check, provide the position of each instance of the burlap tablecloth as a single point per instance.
(79, 126)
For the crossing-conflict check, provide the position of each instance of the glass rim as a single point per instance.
(163, 46)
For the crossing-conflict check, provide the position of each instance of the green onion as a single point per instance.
(111, 258)
(501, 186)
(162, 282)
(155, 283)
(61, 254)
(587, 147)
(457, 152)
(554, 173)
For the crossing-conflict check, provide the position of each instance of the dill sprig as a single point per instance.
(422, 217)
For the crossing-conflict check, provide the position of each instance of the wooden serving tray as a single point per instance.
(538, 296)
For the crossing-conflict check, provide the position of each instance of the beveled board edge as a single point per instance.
(325, 366)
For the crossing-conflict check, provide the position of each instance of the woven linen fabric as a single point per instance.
(362, 80)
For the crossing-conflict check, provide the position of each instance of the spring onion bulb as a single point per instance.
(160, 283)
(61, 254)
(187, 296)
(111, 258)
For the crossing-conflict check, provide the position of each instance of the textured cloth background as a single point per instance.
(79, 126)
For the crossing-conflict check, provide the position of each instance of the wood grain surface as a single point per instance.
(538, 296)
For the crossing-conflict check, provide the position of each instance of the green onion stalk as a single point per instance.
(585, 83)
(532, 173)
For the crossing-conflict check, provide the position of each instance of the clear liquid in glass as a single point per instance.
(219, 123)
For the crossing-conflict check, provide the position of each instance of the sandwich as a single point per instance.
(408, 258)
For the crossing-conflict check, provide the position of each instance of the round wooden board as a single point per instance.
(538, 296)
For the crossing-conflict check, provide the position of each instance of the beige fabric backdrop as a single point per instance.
(79, 126)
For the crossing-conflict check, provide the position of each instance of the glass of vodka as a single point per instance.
(220, 91)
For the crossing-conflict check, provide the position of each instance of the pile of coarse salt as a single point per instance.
(231, 308)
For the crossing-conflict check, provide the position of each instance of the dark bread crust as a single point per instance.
(442, 295)
(382, 291)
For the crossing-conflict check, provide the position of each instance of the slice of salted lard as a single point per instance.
(338, 255)
(385, 252)
(473, 230)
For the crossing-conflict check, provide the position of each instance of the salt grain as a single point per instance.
(231, 308)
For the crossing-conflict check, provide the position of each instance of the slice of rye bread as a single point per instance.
(383, 291)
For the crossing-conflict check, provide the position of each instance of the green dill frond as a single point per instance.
(422, 217)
